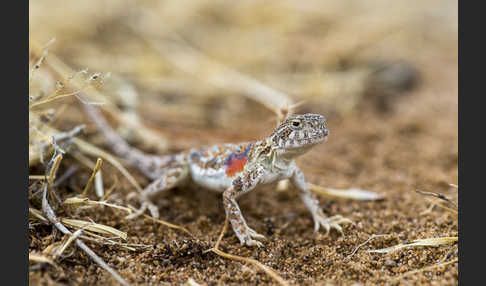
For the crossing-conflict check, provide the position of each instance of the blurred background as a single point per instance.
(172, 75)
(203, 72)
(190, 64)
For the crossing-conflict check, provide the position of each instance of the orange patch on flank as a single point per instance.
(237, 165)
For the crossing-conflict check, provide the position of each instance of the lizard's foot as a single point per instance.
(246, 237)
(330, 222)
(146, 204)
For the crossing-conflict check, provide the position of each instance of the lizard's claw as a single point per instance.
(330, 222)
(247, 237)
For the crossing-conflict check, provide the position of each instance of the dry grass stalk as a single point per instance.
(353, 194)
(53, 170)
(107, 241)
(37, 177)
(100, 191)
(435, 203)
(53, 98)
(37, 214)
(64, 71)
(42, 258)
(436, 241)
(48, 216)
(256, 263)
(439, 196)
(77, 201)
(54, 163)
(91, 179)
(51, 249)
(93, 150)
(94, 227)
(37, 65)
(84, 147)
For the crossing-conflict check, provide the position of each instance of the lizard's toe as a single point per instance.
(331, 222)
(255, 234)
(252, 242)
(249, 236)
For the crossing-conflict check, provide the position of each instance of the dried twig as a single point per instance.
(49, 214)
(362, 244)
(439, 196)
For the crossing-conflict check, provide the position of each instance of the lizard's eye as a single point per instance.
(296, 123)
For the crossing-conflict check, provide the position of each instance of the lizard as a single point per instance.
(233, 169)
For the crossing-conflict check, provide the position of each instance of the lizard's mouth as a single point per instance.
(321, 135)
(304, 144)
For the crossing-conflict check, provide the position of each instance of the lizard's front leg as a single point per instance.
(242, 184)
(312, 203)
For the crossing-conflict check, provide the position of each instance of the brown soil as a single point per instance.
(412, 146)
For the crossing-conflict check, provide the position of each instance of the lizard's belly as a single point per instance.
(215, 168)
(215, 180)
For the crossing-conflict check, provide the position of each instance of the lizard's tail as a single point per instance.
(150, 165)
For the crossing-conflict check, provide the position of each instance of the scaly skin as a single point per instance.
(233, 169)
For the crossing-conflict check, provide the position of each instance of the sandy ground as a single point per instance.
(412, 146)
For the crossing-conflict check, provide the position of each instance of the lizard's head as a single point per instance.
(300, 132)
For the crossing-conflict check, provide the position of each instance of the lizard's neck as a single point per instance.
(269, 153)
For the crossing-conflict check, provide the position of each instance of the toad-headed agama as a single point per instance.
(233, 169)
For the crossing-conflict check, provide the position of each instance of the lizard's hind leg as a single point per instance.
(171, 176)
